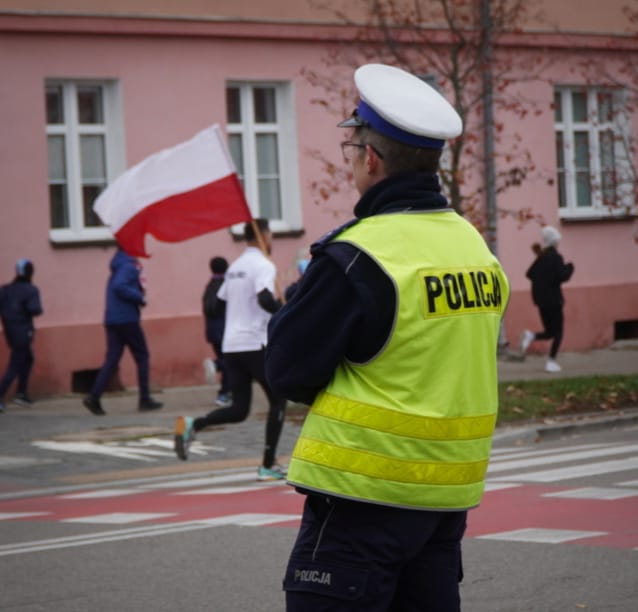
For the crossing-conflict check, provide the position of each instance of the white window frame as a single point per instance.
(72, 130)
(290, 194)
(619, 126)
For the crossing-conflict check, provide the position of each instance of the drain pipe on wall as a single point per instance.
(488, 145)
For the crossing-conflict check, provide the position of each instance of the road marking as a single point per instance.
(254, 520)
(221, 490)
(502, 466)
(628, 483)
(143, 532)
(575, 471)
(602, 493)
(7, 462)
(542, 536)
(499, 454)
(498, 486)
(140, 450)
(240, 476)
(119, 518)
(100, 493)
(196, 447)
(6, 516)
(93, 448)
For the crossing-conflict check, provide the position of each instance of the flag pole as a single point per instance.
(258, 235)
(262, 246)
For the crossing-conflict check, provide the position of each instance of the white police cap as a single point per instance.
(401, 106)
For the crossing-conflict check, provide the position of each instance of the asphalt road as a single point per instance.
(115, 532)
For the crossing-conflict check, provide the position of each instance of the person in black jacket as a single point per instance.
(215, 315)
(19, 303)
(548, 273)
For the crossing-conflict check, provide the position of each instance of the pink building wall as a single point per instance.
(173, 86)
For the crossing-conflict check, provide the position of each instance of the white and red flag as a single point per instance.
(175, 194)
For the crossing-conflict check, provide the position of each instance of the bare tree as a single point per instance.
(453, 45)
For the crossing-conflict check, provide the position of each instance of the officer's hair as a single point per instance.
(399, 157)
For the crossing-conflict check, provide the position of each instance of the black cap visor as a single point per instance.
(355, 120)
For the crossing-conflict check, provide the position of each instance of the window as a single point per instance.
(85, 152)
(262, 142)
(593, 155)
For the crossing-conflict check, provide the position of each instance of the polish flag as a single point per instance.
(176, 194)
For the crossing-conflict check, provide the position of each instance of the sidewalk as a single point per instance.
(620, 358)
(63, 418)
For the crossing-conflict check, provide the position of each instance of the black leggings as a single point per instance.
(242, 369)
(552, 318)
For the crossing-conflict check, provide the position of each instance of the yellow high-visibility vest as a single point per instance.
(413, 426)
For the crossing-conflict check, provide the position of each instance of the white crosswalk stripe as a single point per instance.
(513, 465)
(578, 455)
(543, 536)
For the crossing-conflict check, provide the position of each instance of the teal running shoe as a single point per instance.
(275, 472)
(184, 435)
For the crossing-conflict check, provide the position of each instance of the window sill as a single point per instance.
(598, 216)
(237, 233)
(62, 239)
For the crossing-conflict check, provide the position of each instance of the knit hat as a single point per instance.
(550, 236)
(24, 267)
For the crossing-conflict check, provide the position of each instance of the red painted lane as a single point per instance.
(269, 500)
(503, 510)
(525, 507)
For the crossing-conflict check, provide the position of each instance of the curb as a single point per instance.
(583, 423)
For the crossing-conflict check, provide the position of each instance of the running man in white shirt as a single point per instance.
(248, 291)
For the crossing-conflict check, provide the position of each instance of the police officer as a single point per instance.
(391, 337)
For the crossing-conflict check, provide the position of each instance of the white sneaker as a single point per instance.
(552, 366)
(527, 337)
(209, 371)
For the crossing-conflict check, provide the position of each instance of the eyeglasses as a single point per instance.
(358, 145)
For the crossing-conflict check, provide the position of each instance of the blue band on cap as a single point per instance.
(382, 126)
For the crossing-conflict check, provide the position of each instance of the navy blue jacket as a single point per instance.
(344, 305)
(124, 292)
(19, 303)
(214, 313)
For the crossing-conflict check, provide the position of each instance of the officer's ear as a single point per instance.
(374, 164)
(372, 160)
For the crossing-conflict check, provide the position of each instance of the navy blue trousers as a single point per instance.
(19, 366)
(352, 556)
(117, 338)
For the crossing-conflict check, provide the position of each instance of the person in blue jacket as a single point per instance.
(124, 299)
(19, 303)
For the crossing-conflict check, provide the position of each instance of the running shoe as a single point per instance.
(275, 472)
(184, 435)
(22, 399)
(224, 400)
(93, 404)
(527, 337)
(210, 371)
(551, 366)
(147, 404)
